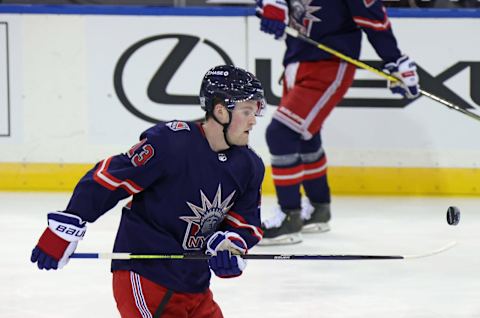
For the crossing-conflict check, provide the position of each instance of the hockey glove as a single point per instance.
(298, 10)
(58, 241)
(273, 15)
(224, 247)
(405, 70)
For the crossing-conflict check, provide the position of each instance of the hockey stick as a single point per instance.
(338, 257)
(294, 33)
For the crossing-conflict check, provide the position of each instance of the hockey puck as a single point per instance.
(453, 215)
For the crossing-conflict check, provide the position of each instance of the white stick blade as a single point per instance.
(437, 251)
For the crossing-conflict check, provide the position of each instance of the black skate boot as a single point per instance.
(283, 228)
(315, 217)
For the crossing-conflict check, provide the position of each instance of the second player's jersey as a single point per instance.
(182, 192)
(338, 24)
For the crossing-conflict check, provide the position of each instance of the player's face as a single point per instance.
(243, 120)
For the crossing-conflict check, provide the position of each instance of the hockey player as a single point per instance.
(313, 83)
(193, 187)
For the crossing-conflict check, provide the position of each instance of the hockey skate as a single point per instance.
(282, 228)
(315, 217)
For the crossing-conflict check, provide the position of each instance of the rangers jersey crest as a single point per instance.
(206, 219)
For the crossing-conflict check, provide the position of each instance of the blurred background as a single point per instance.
(94, 74)
(182, 3)
(76, 83)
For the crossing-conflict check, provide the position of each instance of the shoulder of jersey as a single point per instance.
(251, 150)
(252, 154)
(177, 125)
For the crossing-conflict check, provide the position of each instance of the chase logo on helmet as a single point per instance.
(221, 73)
(237, 86)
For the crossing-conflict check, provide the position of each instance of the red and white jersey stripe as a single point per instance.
(237, 221)
(103, 177)
(376, 25)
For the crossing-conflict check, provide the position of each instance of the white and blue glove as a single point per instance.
(405, 70)
(58, 241)
(224, 247)
(273, 15)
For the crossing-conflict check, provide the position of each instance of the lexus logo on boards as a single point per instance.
(146, 72)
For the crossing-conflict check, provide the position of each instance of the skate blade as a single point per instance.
(285, 239)
(316, 228)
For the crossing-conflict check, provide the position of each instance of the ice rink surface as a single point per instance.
(446, 285)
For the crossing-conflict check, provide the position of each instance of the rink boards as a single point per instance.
(79, 85)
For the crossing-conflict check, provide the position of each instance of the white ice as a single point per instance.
(446, 285)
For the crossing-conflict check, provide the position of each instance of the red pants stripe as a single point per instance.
(138, 297)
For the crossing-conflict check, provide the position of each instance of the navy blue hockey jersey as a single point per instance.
(182, 192)
(338, 24)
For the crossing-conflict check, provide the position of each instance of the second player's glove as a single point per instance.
(58, 241)
(224, 247)
(274, 16)
(405, 70)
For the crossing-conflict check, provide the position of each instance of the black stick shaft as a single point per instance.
(201, 256)
(248, 256)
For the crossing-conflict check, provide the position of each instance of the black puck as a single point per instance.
(453, 215)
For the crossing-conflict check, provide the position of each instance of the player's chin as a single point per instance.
(242, 140)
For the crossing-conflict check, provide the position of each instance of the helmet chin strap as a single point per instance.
(225, 127)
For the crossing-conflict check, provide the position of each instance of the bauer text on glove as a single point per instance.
(58, 241)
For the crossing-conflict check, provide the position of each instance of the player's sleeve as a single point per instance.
(371, 16)
(244, 217)
(118, 177)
